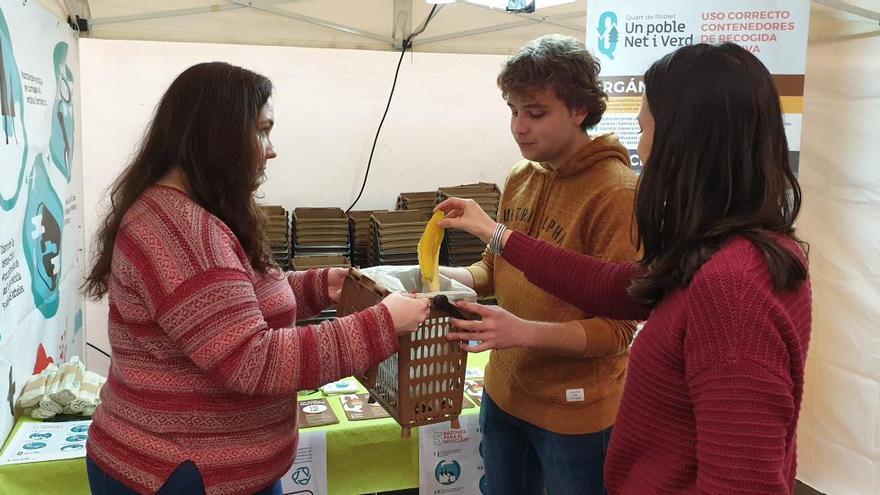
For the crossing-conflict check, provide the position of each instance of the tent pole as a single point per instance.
(852, 9)
(402, 22)
(161, 14)
(312, 20)
(489, 29)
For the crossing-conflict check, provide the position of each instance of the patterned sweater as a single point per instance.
(205, 361)
(716, 376)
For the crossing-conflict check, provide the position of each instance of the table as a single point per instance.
(362, 457)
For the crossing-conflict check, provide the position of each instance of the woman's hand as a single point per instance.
(407, 312)
(335, 280)
(467, 215)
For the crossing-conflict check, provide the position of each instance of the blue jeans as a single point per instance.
(522, 458)
(185, 480)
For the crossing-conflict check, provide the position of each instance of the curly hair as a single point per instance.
(560, 62)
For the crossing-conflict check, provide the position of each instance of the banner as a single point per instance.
(40, 192)
(308, 475)
(627, 36)
(451, 460)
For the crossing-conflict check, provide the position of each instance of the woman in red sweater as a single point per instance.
(206, 360)
(714, 388)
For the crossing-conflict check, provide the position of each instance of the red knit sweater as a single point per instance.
(205, 361)
(711, 401)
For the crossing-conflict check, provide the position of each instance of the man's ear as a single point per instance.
(578, 115)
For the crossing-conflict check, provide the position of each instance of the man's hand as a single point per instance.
(499, 328)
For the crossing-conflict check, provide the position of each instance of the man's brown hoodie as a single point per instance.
(586, 206)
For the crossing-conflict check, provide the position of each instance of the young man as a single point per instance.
(555, 375)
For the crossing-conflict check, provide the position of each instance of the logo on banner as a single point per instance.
(302, 476)
(41, 239)
(61, 140)
(608, 34)
(447, 472)
(13, 139)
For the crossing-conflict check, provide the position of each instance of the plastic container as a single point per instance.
(424, 382)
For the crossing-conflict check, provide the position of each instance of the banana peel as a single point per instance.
(429, 253)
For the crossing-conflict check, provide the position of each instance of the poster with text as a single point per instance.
(451, 460)
(47, 441)
(41, 224)
(627, 36)
(308, 475)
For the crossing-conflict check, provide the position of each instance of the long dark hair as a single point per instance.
(205, 124)
(719, 167)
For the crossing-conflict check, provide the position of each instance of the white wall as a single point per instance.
(839, 430)
(447, 125)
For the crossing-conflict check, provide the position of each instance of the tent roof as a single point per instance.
(461, 27)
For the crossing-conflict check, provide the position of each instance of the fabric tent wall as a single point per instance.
(41, 210)
(457, 28)
(839, 434)
(447, 124)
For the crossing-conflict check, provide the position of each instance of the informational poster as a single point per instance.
(42, 441)
(41, 222)
(627, 36)
(451, 460)
(308, 475)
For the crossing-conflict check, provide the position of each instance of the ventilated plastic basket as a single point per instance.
(423, 382)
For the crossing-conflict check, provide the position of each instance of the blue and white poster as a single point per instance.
(308, 475)
(40, 192)
(43, 441)
(451, 459)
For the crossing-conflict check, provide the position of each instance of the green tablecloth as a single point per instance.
(362, 457)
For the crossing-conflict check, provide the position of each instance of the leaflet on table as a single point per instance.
(315, 412)
(340, 387)
(39, 441)
(474, 390)
(358, 407)
(472, 373)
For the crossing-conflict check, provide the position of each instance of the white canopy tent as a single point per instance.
(367, 24)
(465, 26)
(840, 174)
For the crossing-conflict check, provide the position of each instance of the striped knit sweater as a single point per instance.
(205, 360)
(716, 376)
